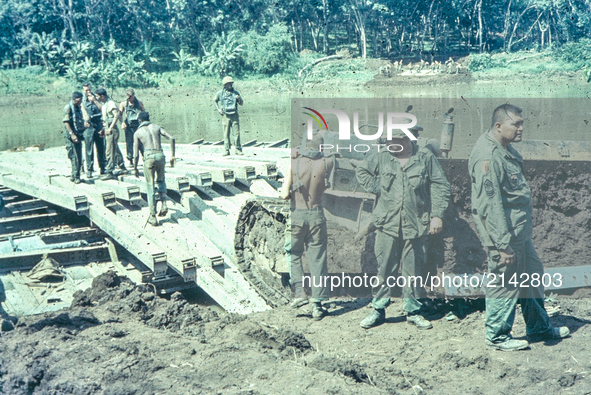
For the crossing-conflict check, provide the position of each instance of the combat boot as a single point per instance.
(419, 321)
(239, 152)
(163, 208)
(377, 317)
(318, 312)
(152, 220)
(508, 345)
(227, 153)
(298, 302)
(551, 333)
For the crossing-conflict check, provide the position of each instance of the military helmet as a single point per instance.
(227, 79)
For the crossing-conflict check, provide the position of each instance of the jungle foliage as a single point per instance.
(132, 42)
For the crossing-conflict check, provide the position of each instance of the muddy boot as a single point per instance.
(227, 153)
(377, 317)
(419, 321)
(508, 345)
(318, 312)
(239, 152)
(163, 208)
(298, 302)
(152, 220)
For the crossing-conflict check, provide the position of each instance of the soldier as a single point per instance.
(305, 184)
(95, 134)
(148, 134)
(502, 211)
(75, 120)
(412, 196)
(230, 99)
(110, 117)
(129, 110)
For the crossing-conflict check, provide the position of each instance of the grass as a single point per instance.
(35, 81)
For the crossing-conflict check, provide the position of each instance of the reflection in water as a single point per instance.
(190, 115)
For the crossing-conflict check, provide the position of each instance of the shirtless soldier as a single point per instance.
(148, 134)
(306, 184)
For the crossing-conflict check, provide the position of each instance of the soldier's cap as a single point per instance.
(76, 95)
(227, 79)
(101, 91)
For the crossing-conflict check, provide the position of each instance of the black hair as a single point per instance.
(502, 112)
(143, 116)
(77, 95)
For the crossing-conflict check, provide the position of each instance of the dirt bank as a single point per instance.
(120, 339)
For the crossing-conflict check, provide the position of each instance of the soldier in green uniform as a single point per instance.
(75, 120)
(229, 99)
(110, 118)
(502, 211)
(412, 196)
(129, 110)
(94, 135)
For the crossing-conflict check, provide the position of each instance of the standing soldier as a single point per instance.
(94, 135)
(412, 196)
(75, 120)
(502, 211)
(230, 99)
(148, 134)
(130, 110)
(305, 184)
(110, 117)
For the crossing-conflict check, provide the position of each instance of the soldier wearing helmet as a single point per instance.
(229, 99)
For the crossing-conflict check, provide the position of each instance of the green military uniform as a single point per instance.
(502, 211)
(112, 151)
(230, 120)
(75, 116)
(407, 200)
(129, 116)
(92, 137)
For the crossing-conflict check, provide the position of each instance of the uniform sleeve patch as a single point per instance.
(485, 166)
(489, 188)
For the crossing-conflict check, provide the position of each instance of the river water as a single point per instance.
(189, 113)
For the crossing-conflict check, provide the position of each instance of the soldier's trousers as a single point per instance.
(112, 151)
(92, 138)
(154, 162)
(231, 127)
(391, 252)
(129, 131)
(308, 232)
(501, 300)
(74, 154)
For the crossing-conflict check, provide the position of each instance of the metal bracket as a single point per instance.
(109, 199)
(228, 176)
(81, 204)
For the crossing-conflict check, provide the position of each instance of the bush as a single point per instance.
(484, 61)
(578, 52)
(270, 53)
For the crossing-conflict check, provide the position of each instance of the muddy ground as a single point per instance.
(119, 338)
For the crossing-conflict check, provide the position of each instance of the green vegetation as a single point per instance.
(58, 44)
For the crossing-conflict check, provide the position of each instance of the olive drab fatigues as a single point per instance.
(92, 137)
(154, 164)
(75, 116)
(407, 199)
(502, 211)
(230, 119)
(130, 115)
(113, 153)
